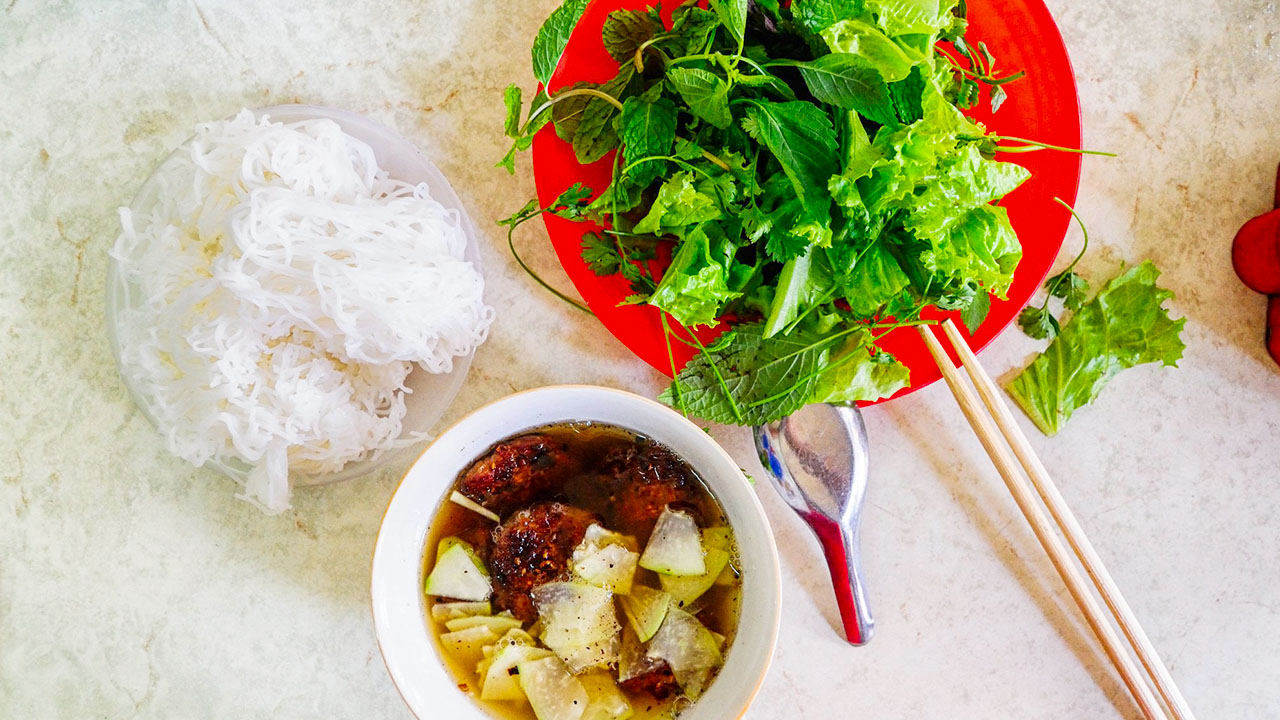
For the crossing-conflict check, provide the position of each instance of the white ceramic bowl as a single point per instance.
(402, 160)
(399, 612)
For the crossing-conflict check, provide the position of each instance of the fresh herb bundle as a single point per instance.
(810, 167)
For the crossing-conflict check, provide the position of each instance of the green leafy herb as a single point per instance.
(1039, 322)
(807, 169)
(748, 379)
(1124, 326)
(594, 135)
(816, 16)
(625, 31)
(976, 311)
(706, 93)
(800, 136)
(869, 47)
(647, 127)
(552, 38)
(847, 81)
(600, 254)
(521, 135)
(696, 285)
(733, 15)
(571, 205)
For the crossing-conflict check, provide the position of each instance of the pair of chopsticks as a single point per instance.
(997, 421)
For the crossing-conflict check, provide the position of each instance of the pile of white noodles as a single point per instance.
(288, 287)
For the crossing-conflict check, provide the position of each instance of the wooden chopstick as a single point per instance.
(1070, 528)
(1077, 584)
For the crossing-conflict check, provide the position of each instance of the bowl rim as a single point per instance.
(764, 586)
(393, 144)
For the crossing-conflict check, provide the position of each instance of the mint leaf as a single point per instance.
(1124, 326)
(846, 81)
(567, 113)
(552, 38)
(706, 93)
(513, 97)
(695, 26)
(800, 136)
(626, 30)
(733, 15)
(595, 136)
(647, 128)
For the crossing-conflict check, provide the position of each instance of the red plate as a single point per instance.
(1042, 106)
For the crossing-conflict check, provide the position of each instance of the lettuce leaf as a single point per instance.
(861, 376)
(696, 285)
(1123, 326)
(682, 200)
(912, 17)
(872, 47)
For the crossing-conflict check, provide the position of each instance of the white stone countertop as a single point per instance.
(132, 585)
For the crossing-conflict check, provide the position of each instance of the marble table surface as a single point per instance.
(133, 585)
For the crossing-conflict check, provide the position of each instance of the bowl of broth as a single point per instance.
(576, 553)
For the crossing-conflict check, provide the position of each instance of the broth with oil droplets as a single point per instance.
(547, 484)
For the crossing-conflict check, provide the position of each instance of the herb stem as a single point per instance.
(552, 100)
(638, 61)
(511, 243)
(671, 358)
(1034, 145)
(721, 56)
(1083, 229)
(715, 369)
(983, 74)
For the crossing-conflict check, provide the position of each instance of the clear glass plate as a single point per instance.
(432, 393)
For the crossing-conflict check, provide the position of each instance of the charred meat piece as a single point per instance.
(518, 472)
(646, 480)
(659, 683)
(531, 548)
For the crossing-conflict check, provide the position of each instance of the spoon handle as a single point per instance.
(844, 559)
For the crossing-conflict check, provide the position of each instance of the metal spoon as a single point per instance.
(818, 460)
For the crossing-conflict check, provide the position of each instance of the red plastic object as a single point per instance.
(1042, 106)
(1273, 327)
(1255, 253)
